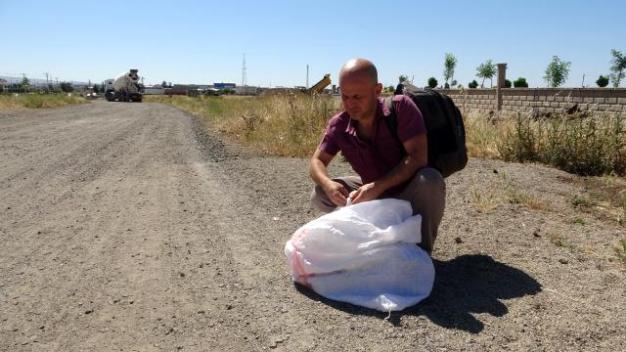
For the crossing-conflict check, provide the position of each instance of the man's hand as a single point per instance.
(337, 193)
(366, 192)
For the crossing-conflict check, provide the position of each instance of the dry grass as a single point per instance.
(285, 125)
(502, 192)
(602, 196)
(558, 240)
(39, 101)
(530, 201)
(486, 201)
(620, 251)
(484, 135)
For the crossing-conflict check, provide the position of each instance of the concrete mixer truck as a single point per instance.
(126, 87)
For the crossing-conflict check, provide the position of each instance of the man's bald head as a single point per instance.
(358, 69)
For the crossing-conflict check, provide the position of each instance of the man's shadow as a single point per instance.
(464, 285)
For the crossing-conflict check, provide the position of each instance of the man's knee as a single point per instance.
(429, 178)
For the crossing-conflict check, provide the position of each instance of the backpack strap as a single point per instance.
(391, 120)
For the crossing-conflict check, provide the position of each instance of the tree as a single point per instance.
(619, 65)
(67, 87)
(507, 83)
(403, 78)
(486, 70)
(432, 82)
(449, 64)
(557, 72)
(520, 83)
(25, 84)
(602, 81)
(472, 84)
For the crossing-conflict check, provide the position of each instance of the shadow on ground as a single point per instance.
(464, 285)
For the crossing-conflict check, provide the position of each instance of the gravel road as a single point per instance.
(133, 227)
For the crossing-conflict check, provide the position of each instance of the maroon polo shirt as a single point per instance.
(373, 159)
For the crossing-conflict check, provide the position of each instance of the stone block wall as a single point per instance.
(542, 100)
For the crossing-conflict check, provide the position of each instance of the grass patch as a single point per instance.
(517, 196)
(580, 145)
(558, 240)
(620, 251)
(277, 125)
(583, 145)
(39, 101)
(485, 202)
(603, 196)
(291, 125)
(483, 135)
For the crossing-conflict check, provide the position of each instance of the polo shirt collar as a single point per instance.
(381, 110)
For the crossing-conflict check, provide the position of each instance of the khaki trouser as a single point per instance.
(426, 192)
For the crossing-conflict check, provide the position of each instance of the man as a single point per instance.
(386, 168)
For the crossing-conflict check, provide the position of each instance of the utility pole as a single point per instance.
(243, 71)
(307, 76)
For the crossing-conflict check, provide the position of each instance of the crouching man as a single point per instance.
(388, 164)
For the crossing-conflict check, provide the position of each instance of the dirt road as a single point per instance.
(126, 227)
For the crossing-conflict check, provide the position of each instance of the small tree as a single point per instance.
(472, 84)
(507, 83)
(25, 84)
(619, 65)
(520, 83)
(67, 87)
(432, 82)
(403, 78)
(602, 81)
(449, 64)
(557, 72)
(486, 70)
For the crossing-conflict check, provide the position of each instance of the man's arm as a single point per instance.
(416, 158)
(317, 168)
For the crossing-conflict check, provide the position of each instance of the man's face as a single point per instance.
(359, 96)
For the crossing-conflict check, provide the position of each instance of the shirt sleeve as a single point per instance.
(328, 143)
(410, 119)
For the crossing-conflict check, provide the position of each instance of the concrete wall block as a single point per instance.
(621, 101)
(610, 100)
(598, 100)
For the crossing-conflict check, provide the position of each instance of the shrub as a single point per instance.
(472, 84)
(580, 145)
(432, 82)
(602, 81)
(520, 83)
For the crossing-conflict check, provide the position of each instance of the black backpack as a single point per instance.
(444, 125)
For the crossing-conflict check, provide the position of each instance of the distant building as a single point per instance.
(224, 85)
(246, 90)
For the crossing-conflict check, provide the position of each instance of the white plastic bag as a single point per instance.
(364, 254)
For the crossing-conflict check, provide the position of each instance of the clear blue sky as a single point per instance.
(204, 41)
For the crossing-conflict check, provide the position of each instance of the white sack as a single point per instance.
(364, 254)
